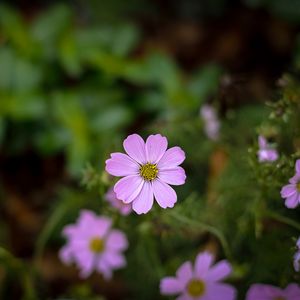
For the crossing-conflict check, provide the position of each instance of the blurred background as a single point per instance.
(76, 77)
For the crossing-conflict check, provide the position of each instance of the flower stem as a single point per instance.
(206, 227)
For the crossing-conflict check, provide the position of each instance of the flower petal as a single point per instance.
(263, 291)
(297, 167)
(185, 272)
(128, 188)
(262, 142)
(221, 291)
(66, 254)
(171, 286)
(134, 146)
(116, 240)
(156, 146)
(164, 194)
(185, 296)
(219, 271)
(288, 190)
(172, 158)
(174, 176)
(292, 201)
(104, 268)
(121, 164)
(292, 291)
(144, 201)
(114, 260)
(203, 262)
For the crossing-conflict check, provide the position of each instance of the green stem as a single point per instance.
(206, 227)
(283, 219)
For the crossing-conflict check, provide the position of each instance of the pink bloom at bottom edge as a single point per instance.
(269, 292)
(93, 245)
(201, 282)
(297, 257)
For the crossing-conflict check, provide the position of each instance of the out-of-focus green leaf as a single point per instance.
(49, 26)
(17, 74)
(22, 106)
(205, 82)
(14, 28)
(70, 114)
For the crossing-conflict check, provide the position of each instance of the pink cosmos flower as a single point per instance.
(123, 208)
(93, 245)
(291, 192)
(148, 169)
(297, 257)
(269, 292)
(211, 122)
(201, 282)
(265, 152)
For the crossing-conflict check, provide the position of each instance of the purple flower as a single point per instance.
(291, 192)
(265, 152)
(148, 169)
(201, 282)
(269, 292)
(123, 208)
(211, 122)
(297, 257)
(93, 245)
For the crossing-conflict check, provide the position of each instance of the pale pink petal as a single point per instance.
(185, 273)
(174, 176)
(116, 240)
(156, 146)
(66, 254)
(219, 271)
(98, 228)
(85, 261)
(263, 291)
(292, 292)
(298, 166)
(171, 286)
(295, 179)
(134, 146)
(164, 194)
(172, 158)
(185, 296)
(144, 201)
(220, 291)
(128, 188)
(114, 259)
(203, 262)
(288, 190)
(104, 268)
(262, 142)
(292, 201)
(121, 165)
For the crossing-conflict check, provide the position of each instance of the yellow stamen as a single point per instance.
(97, 245)
(196, 288)
(148, 171)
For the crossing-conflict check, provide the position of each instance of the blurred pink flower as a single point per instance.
(297, 257)
(211, 122)
(201, 282)
(269, 292)
(123, 208)
(148, 169)
(291, 192)
(93, 245)
(265, 152)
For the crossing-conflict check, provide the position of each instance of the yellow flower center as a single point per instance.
(279, 298)
(196, 288)
(298, 187)
(96, 245)
(148, 171)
